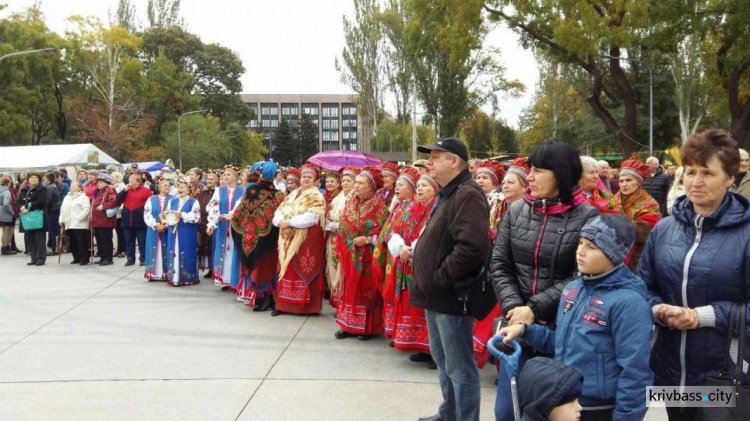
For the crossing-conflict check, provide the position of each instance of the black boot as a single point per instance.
(268, 303)
(5, 251)
(342, 334)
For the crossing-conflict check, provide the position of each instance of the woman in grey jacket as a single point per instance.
(6, 214)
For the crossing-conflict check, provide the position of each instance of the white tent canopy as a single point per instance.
(44, 157)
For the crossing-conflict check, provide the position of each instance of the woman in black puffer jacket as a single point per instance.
(33, 197)
(534, 255)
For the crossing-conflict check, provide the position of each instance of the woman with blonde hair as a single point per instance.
(677, 189)
(74, 219)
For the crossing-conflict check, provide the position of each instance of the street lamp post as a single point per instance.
(21, 53)
(179, 135)
(390, 138)
(437, 123)
(650, 99)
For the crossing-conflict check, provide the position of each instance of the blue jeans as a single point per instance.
(131, 234)
(452, 349)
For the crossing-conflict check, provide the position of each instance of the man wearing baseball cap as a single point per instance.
(447, 258)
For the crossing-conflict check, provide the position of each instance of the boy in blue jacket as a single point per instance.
(604, 324)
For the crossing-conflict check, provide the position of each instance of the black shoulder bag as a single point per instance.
(742, 393)
(476, 293)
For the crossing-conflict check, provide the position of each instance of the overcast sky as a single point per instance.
(287, 46)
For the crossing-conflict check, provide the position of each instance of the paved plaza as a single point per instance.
(91, 343)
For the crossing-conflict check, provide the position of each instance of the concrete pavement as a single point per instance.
(80, 343)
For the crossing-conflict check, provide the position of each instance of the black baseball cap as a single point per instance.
(447, 144)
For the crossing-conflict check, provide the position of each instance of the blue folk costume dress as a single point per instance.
(182, 242)
(226, 271)
(156, 242)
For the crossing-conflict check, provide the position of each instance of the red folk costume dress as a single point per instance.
(333, 218)
(302, 256)
(384, 262)
(409, 325)
(360, 310)
(639, 207)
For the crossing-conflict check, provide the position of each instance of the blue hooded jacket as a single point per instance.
(604, 330)
(701, 263)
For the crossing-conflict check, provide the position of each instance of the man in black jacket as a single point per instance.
(447, 258)
(657, 184)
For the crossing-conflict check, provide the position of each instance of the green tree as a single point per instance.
(452, 71)
(398, 63)
(362, 64)
(166, 91)
(111, 116)
(27, 93)
(284, 149)
(215, 71)
(477, 132)
(593, 36)
(308, 138)
(203, 143)
(163, 13)
(246, 145)
(125, 15)
(504, 139)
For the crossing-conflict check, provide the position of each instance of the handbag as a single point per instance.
(742, 393)
(476, 293)
(111, 213)
(33, 220)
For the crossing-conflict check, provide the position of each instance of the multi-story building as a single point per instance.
(340, 125)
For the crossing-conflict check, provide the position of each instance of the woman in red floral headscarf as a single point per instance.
(488, 176)
(514, 188)
(388, 190)
(333, 217)
(257, 240)
(637, 205)
(360, 311)
(292, 179)
(406, 186)
(333, 186)
(302, 247)
(593, 189)
(409, 326)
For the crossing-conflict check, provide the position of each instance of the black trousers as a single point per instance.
(682, 414)
(79, 244)
(603, 415)
(53, 229)
(36, 245)
(120, 237)
(104, 242)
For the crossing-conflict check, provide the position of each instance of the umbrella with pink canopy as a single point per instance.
(336, 160)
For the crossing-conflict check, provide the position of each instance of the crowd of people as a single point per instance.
(588, 265)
